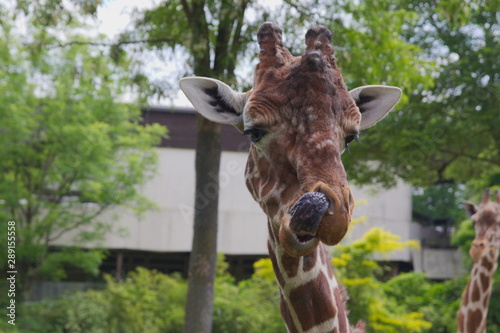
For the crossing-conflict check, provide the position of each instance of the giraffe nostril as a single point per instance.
(478, 243)
(330, 209)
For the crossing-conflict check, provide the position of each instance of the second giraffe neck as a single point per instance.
(311, 298)
(476, 296)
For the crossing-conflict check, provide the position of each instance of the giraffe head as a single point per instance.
(486, 219)
(300, 117)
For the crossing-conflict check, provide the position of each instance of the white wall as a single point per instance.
(388, 209)
(242, 224)
(439, 263)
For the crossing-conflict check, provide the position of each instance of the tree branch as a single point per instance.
(84, 220)
(461, 154)
(187, 9)
(145, 41)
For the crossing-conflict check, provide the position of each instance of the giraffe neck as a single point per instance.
(476, 296)
(311, 298)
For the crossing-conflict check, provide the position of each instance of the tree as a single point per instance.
(440, 135)
(70, 151)
(444, 57)
(214, 34)
(439, 206)
(446, 132)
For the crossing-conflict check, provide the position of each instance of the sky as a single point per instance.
(114, 16)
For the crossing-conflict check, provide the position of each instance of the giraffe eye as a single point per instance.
(348, 139)
(255, 134)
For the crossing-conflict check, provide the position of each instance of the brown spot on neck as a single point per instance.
(474, 319)
(487, 264)
(476, 292)
(310, 261)
(485, 281)
(290, 264)
(312, 303)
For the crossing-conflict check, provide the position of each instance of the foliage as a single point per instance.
(438, 204)
(149, 301)
(55, 12)
(463, 237)
(70, 151)
(445, 133)
(248, 306)
(358, 271)
(213, 35)
(444, 57)
(494, 307)
(55, 264)
(145, 301)
(437, 301)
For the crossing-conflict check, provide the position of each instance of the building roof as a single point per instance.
(181, 125)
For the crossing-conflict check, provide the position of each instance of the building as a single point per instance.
(161, 239)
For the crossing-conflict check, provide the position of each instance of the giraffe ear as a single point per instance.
(374, 102)
(215, 100)
(470, 208)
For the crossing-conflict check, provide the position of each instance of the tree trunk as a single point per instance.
(202, 262)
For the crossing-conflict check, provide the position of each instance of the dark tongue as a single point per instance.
(307, 213)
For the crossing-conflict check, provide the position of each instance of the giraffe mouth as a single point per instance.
(306, 215)
(304, 238)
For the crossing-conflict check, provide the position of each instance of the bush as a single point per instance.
(368, 300)
(248, 306)
(251, 306)
(149, 301)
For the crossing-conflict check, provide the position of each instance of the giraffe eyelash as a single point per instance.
(348, 139)
(255, 134)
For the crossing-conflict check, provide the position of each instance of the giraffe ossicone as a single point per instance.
(300, 117)
(471, 316)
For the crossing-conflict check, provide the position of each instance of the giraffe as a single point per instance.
(471, 316)
(300, 117)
